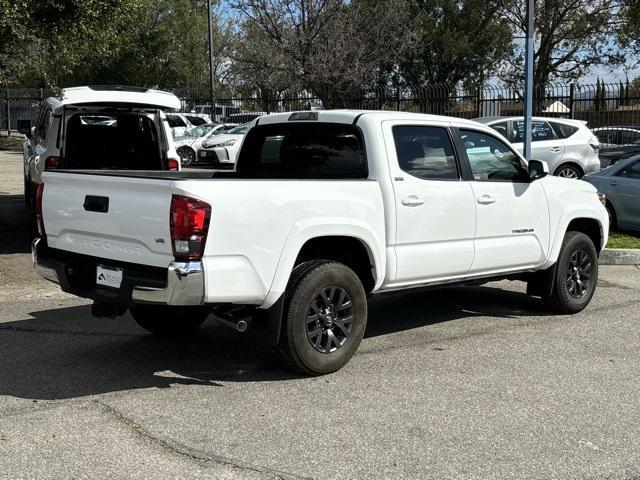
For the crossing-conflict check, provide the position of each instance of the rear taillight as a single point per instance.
(173, 164)
(51, 163)
(189, 227)
(39, 219)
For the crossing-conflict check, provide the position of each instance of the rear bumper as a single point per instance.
(181, 283)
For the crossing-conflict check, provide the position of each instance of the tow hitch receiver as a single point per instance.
(107, 310)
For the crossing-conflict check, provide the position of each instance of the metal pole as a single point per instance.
(212, 86)
(528, 82)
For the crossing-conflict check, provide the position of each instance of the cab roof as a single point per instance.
(350, 116)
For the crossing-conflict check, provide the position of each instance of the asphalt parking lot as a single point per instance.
(473, 382)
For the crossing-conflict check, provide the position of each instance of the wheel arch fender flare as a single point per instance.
(314, 228)
(569, 215)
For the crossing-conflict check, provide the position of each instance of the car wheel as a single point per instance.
(569, 171)
(613, 220)
(324, 319)
(187, 156)
(576, 274)
(168, 321)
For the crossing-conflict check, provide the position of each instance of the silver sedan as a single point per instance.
(621, 184)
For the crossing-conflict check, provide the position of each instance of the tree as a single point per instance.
(42, 42)
(458, 40)
(330, 47)
(571, 37)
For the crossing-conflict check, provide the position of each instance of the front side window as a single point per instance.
(540, 131)
(634, 171)
(425, 152)
(491, 159)
(629, 137)
(303, 151)
(608, 136)
(502, 128)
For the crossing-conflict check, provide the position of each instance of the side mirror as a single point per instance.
(24, 127)
(538, 169)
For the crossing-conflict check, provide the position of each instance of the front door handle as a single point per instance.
(614, 183)
(486, 199)
(412, 201)
(555, 149)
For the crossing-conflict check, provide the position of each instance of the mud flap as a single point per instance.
(540, 284)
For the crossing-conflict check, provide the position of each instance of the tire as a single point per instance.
(578, 257)
(187, 156)
(168, 321)
(322, 297)
(569, 171)
(613, 219)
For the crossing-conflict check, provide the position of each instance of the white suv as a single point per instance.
(568, 146)
(99, 127)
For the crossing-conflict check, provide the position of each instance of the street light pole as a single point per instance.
(212, 86)
(528, 82)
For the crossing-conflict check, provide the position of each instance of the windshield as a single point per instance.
(239, 130)
(196, 120)
(199, 131)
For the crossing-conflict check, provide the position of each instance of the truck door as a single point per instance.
(512, 230)
(435, 210)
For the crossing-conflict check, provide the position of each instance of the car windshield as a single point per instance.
(239, 130)
(199, 131)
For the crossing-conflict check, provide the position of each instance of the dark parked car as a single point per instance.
(621, 184)
(611, 155)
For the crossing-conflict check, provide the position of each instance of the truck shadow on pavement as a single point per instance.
(65, 353)
(14, 225)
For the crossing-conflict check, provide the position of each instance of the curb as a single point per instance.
(620, 256)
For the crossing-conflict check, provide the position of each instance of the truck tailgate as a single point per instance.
(119, 218)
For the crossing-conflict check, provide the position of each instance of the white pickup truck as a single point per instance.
(325, 208)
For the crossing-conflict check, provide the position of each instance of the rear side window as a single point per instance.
(629, 137)
(197, 121)
(563, 130)
(502, 128)
(303, 150)
(175, 121)
(425, 152)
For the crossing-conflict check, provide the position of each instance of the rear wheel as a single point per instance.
(569, 171)
(576, 275)
(165, 320)
(324, 319)
(187, 156)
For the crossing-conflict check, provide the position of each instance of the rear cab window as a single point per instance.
(303, 151)
(425, 152)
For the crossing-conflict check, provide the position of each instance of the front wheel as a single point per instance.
(576, 274)
(324, 319)
(168, 321)
(187, 156)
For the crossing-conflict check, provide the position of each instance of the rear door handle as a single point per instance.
(412, 201)
(555, 149)
(486, 200)
(613, 183)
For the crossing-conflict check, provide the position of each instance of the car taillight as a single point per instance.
(51, 163)
(189, 227)
(39, 219)
(173, 164)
